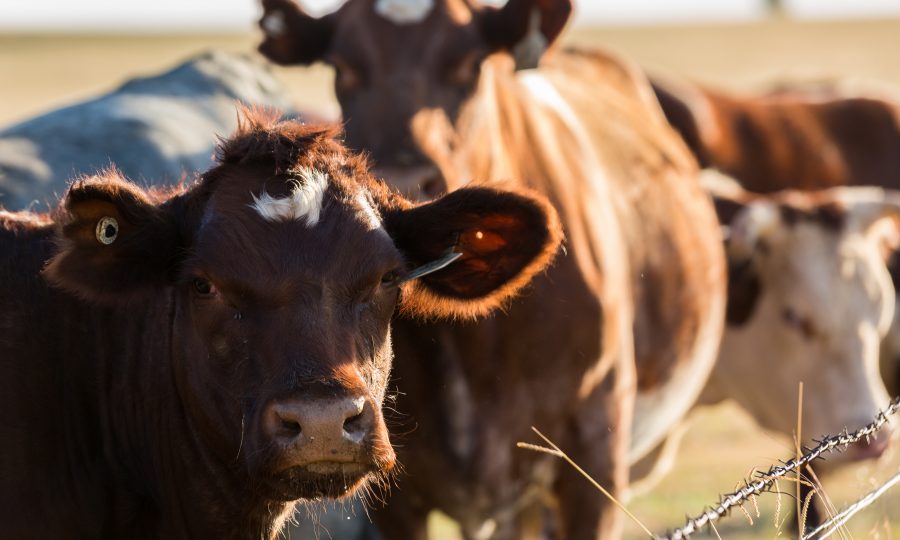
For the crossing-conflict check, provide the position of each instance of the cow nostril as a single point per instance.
(354, 424)
(290, 427)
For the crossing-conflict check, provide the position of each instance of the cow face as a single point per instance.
(405, 68)
(281, 270)
(810, 301)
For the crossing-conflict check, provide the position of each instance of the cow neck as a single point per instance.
(157, 455)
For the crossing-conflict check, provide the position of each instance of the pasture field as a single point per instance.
(722, 446)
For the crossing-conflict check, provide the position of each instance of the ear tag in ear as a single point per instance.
(528, 52)
(107, 230)
(432, 267)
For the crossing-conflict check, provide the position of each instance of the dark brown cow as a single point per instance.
(205, 358)
(611, 347)
(790, 139)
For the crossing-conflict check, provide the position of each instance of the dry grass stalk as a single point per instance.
(555, 451)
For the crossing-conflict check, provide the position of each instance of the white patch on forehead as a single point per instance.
(404, 11)
(273, 24)
(303, 203)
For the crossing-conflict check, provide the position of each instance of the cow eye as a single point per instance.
(390, 279)
(347, 77)
(203, 287)
(463, 72)
(798, 322)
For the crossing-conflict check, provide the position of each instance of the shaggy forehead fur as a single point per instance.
(304, 165)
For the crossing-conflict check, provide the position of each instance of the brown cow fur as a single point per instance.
(790, 139)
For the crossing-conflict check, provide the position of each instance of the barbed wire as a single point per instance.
(828, 528)
(766, 480)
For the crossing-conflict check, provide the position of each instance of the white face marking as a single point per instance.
(273, 24)
(303, 203)
(404, 11)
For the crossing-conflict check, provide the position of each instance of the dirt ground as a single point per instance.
(722, 446)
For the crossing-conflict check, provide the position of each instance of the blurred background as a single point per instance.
(55, 52)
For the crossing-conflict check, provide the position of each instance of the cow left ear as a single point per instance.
(115, 241)
(503, 239)
(291, 36)
(525, 28)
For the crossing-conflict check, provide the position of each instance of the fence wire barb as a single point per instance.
(749, 488)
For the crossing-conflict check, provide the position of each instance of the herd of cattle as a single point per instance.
(188, 355)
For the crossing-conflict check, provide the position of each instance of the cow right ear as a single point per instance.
(292, 37)
(525, 28)
(497, 241)
(115, 242)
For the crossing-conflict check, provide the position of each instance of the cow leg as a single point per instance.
(399, 518)
(599, 445)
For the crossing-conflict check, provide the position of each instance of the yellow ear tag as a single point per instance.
(107, 230)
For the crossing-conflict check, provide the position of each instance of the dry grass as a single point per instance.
(42, 72)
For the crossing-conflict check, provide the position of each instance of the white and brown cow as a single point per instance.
(809, 301)
(612, 346)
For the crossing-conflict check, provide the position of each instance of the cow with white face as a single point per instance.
(810, 299)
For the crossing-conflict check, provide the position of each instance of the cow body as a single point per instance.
(189, 364)
(93, 418)
(158, 129)
(607, 350)
(614, 321)
(790, 139)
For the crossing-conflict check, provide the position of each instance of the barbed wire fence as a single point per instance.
(765, 481)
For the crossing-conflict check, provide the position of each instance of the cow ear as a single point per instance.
(504, 239)
(744, 289)
(526, 28)
(115, 243)
(746, 237)
(291, 36)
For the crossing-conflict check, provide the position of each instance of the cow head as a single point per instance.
(280, 270)
(405, 68)
(809, 300)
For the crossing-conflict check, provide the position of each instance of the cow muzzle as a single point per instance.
(873, 448)
(324, 447)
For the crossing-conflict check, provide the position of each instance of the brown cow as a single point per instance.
(206, 357)
(630, 318)
(790, 139)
